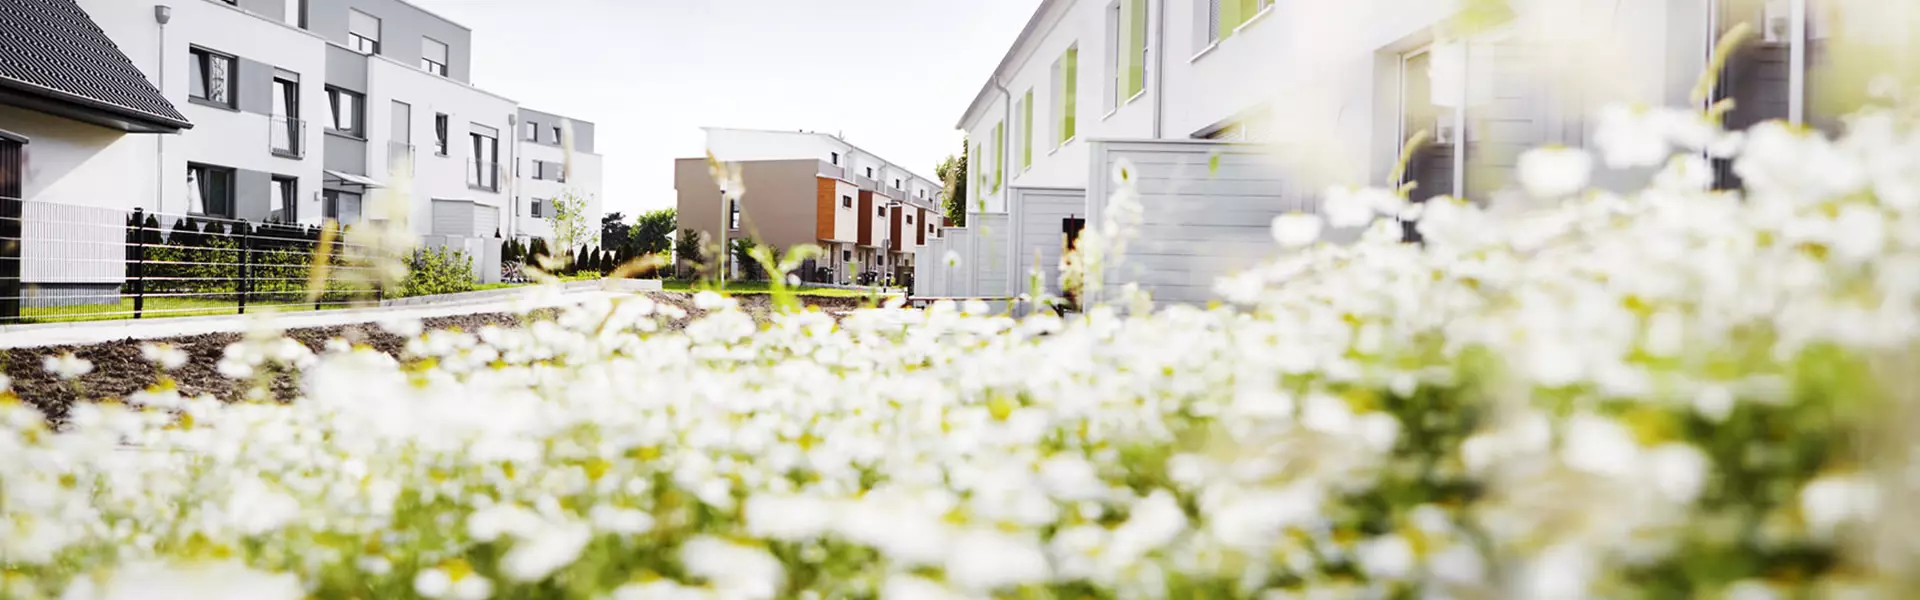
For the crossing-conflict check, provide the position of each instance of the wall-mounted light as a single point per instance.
(162, 13)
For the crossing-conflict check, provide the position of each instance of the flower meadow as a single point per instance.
(1671, 393)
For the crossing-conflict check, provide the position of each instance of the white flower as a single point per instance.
(787, 518)
(952, 259)
(66, 366)
(742, 572)
(1679, 472)
(164, 355)
(620, 521)
(1347, 207)
(1630, 137)
(432, 583)
(1831, 501)
(1388, 557)
(983, 561)
(1600, 446)
(1555, 172)
(6, 383)
(214, 581)
(257, 509)
(1294, 230)
(552, 547)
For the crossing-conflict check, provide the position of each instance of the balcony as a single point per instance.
(483, 175)
(286, 136)
(400, 158)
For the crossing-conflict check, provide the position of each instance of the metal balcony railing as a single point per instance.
(286, 136)
(483, 175)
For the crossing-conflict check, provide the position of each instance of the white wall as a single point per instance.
(220, 137)
(732, 145)
(1081, 23)
(846, 219)
(584, 181)
(69, 162)
(435, 177)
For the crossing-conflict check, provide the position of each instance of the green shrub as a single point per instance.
(438, 271)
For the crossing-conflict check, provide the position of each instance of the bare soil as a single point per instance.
(119, 370)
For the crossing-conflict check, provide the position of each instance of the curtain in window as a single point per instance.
(199, 79)
(196, 192)
(217, 69)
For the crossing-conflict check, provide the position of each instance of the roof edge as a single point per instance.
(1033, 24)
(128, 112)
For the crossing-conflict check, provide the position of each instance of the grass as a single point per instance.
(163, 307)
(760, 287)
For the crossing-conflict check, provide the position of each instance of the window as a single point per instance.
(281, 202)
(836, 158)
(1066, 92)
(486, 158)
(733, 214)
(869, 172)
(532, 132)
(363, 32)
(999, 141)
(909, 219)
(534, 209)
(1024, 112)
(343, 207)
(433, 56)
(1225, 16)
(212, 77)
(287, 126)
(896, 183)
(346, 111)
(440, 134)
(880, 212)
(846, 201)
(1127, 24)
(846, 256)
(556, 134)
(210, 191)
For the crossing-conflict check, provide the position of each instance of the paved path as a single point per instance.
(96, 332)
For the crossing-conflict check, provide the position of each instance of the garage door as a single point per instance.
(486, 220)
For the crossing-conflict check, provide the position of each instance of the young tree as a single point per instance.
(953, 176)
(570, 228)
(687, 249)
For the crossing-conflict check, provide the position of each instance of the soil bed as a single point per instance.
(119, 370)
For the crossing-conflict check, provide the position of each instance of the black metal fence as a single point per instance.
(62, 262)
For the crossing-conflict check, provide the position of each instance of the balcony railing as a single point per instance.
(400, 158)
(286, 136)
(483, 175)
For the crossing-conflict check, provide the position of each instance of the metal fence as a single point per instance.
(61, 262)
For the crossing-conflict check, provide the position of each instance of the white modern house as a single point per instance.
(1234, 111)
(289, 111)
(553, 166)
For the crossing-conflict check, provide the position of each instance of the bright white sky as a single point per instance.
(892, 76)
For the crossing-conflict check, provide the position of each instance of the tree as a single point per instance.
(653, 231)
(953, 176)
(687, 250)
(749, 269)
(570, 229)
(536, 250)
(614, 230)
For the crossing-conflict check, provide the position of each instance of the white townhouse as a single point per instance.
(1328, 93)
(552, 166)
(290, 111)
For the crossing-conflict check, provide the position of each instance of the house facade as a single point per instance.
(303, 111)
(1330, 93)
(867, 214)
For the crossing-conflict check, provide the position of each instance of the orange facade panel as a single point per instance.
(823, 205)
(866, 208)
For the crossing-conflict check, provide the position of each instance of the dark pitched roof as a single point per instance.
(54, 58)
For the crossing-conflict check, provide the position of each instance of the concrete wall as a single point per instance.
(778, 208)
(402, 26)
(1198, 223)
(1033, 234)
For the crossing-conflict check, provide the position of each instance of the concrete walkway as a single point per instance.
(492, 301)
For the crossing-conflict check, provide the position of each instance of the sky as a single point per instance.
(891, 76)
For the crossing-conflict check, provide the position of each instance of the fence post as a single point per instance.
(246, 266)
(139, 262)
